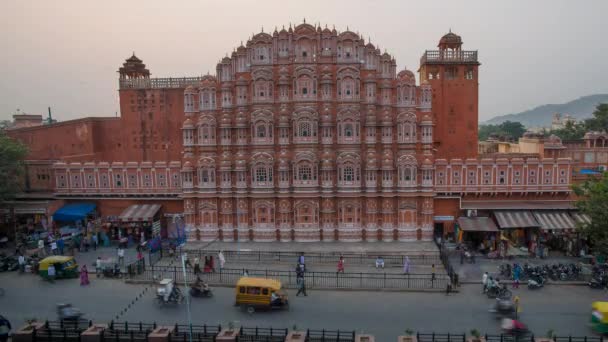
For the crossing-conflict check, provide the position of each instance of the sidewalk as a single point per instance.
(414, 247)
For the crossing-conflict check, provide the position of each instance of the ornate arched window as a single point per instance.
(349, 169)
(206, 130)
(189, 102)
(262, 85)
(305, 170)
(407, 167)
(348, 84)
(348, 127)
(207, 99)
(206, 173)
(406, 127)
(262, 128)
(305, 126)
(305, 83)
(262, 169)
(306, 213)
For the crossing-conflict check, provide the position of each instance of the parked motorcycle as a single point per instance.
(598, 282)
(536, 281)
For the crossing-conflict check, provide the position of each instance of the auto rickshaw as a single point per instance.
(65, 267)
(261, 293)
(599, 317)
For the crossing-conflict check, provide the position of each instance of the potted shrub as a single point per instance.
(549, 337)
(295, 335)
(475, 336)
(408, 336)
(229, 334)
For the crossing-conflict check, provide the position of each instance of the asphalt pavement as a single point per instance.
(565, 309)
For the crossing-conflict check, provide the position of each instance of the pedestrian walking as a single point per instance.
(301, 259)
(139, 254)
(341, 264)
(516, 275)
(197, 265)
(5, 329)
(302, 289)
(21, 261)
(484, 282)
(41, 250)
(211, 263)
(245, 273)
(299, 274)
(98, 266)
(121, 256)
(54, 248)
(87, 243)
(95, 240)
(406, 265)
(60, 245)
(222, 259)
(462, 256)
(432, 273)
(84, 276)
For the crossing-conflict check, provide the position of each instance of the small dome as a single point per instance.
(450, 38)
(406, 75)
(190, 89)
(426, 119)
(188, 124)
(187, 166)
(225, 160)
(225, 121)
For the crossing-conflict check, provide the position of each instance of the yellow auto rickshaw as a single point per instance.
(65, 267)
(263, 293)
(599, 317)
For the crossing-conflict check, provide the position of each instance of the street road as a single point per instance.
(565, 309)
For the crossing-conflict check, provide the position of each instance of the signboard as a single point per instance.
(443, 218)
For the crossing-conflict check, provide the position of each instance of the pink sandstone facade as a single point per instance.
(305, 134)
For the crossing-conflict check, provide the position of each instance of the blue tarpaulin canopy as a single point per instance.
(589, 172)
(73, 212)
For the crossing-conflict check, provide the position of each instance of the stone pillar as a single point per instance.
(296, 336)
(26, 332)
(93, 333)
(160, 334)
(227, 335)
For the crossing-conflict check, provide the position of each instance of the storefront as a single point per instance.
(137, 223)
(75, 218)
(518, 231)
(477, 233)
(558, 230)
(26, 220)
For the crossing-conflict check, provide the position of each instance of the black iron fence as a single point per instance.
(200, 333)
(125, 331)
(61, 331)
(445, 261)
(136, 267)
(262, 334)
(329, 335)
(289, 279)
(433, 337)
(390, 259)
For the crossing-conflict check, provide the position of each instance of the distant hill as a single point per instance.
(581, 108)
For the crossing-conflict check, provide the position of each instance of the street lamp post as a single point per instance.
(187, 295)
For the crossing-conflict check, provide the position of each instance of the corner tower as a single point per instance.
(453, 76)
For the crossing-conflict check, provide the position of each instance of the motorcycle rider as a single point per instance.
(201, 286)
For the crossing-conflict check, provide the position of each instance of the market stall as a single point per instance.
(519, 229)
(558, 230)
(479, 233)
(75, 219)
(135, 224)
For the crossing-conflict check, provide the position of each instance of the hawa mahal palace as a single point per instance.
(303, 134)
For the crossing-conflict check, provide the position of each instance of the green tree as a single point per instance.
(599, 121)
(515, 129)
(571, 131)
(593, 201)
(12, 154)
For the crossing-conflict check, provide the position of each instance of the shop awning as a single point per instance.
(581, 218)
(139, 213)
(73, 212)
(515, 219)
(477, 224)
(554, 220)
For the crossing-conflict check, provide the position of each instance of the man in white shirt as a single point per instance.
(54, 248)
(21, 260)
(121, 255)
(41, 247)
(484, 281)
(379, 262)
(98, 266)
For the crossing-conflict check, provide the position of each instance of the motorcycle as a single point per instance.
(503, 308)
(200, 291)
(499, 292)
(535, 282)
(167, 293)
(66, 312)
(514, 328)
(598, 282)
